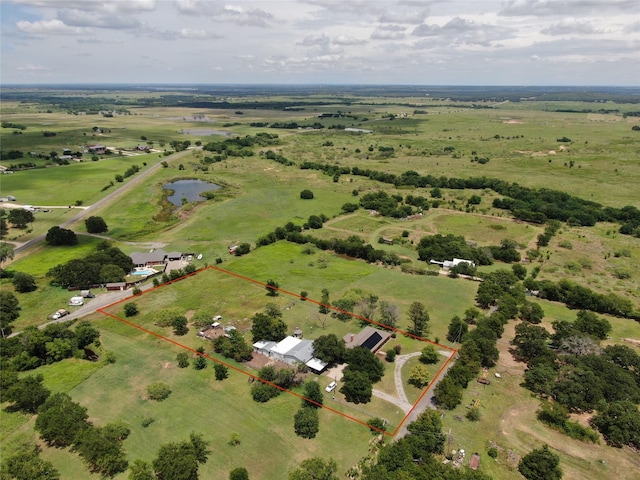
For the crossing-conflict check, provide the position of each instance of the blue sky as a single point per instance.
(428, 42)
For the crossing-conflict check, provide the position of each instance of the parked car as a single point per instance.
(60, 313)
(331, 387)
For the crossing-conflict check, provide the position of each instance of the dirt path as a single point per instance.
(399, 363)
(404, 406)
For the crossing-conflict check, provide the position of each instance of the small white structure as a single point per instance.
(447, 264)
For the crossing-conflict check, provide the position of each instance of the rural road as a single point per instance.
(85, 211)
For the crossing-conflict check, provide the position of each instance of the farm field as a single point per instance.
(516, 141)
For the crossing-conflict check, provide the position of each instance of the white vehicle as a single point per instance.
(217, 318)
(76, 301)
(331, 387)
(60, 313)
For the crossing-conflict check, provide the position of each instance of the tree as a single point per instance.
(457, 330)
(356, 387)
(330, 349)
(239, 473)
(102, 449)
(426, 434)
(306, 194)
(419, 376)
(23, 282)
(85, 334)
(96, 225)
(269, 328)
(306, 422)
(6, 249)
(200, 363)
(179, 325)
(315, 469)
(141, 470)
(272, 288)
(9, 311)
(368, 306)
(19, 217)
(429, 355)
(242, 249)
(28, 393)
(314, 222)
(312, 392)
(418, 319)
(531, 312)
(27, 465)
(158, 391)
(447, 393)
(57, 236)
(530, 341)
(222, 372)
(111, 273)
(619, 423)
(59, 419)
(389, 314)
(130, 309)
(365, 361)
(592, 325)
(345, 307)
(183, 359)
(540, 464)
(324, 302)
(180, 460)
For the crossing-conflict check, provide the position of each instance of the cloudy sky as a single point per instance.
(428, 42)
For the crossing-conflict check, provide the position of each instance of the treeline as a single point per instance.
(577, 296)
(106, 264)
(536, 205)
(54, 343)
(353, 246)
(241, 146)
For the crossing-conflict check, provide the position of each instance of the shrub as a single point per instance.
(130, 309)
(306, 194)
(158, 391)
(492, 452)
(473, 414)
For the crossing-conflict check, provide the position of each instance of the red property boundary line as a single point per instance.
(255, 377)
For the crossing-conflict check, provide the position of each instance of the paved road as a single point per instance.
(111, 197)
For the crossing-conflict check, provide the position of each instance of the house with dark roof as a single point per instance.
(369, 338)
(156, 257)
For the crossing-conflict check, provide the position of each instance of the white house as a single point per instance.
(291, 350)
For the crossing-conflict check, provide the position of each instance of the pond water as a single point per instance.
(189, 189)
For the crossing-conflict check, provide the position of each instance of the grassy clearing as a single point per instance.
(215, 409)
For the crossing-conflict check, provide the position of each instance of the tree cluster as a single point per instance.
(35, 347)
(270, 382)
(61, 422)
(233, 346)
(57, 236)
(445, 247)
(106, 264)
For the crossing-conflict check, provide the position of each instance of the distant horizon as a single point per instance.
(320, 84)
(321, 42)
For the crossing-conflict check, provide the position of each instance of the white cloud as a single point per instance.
(50, 27)
(348, 40)
(199, 34)
(385, 34)
(30, 67)
(571, 26)
(543, 8)
(219, 12)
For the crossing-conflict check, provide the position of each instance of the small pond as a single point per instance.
(189, 189)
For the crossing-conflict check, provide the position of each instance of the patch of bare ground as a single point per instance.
(506, 361)
(189, 315)
(633, 341)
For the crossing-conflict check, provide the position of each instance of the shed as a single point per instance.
(116, 286)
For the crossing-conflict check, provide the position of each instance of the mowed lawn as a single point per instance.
(215, 409)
